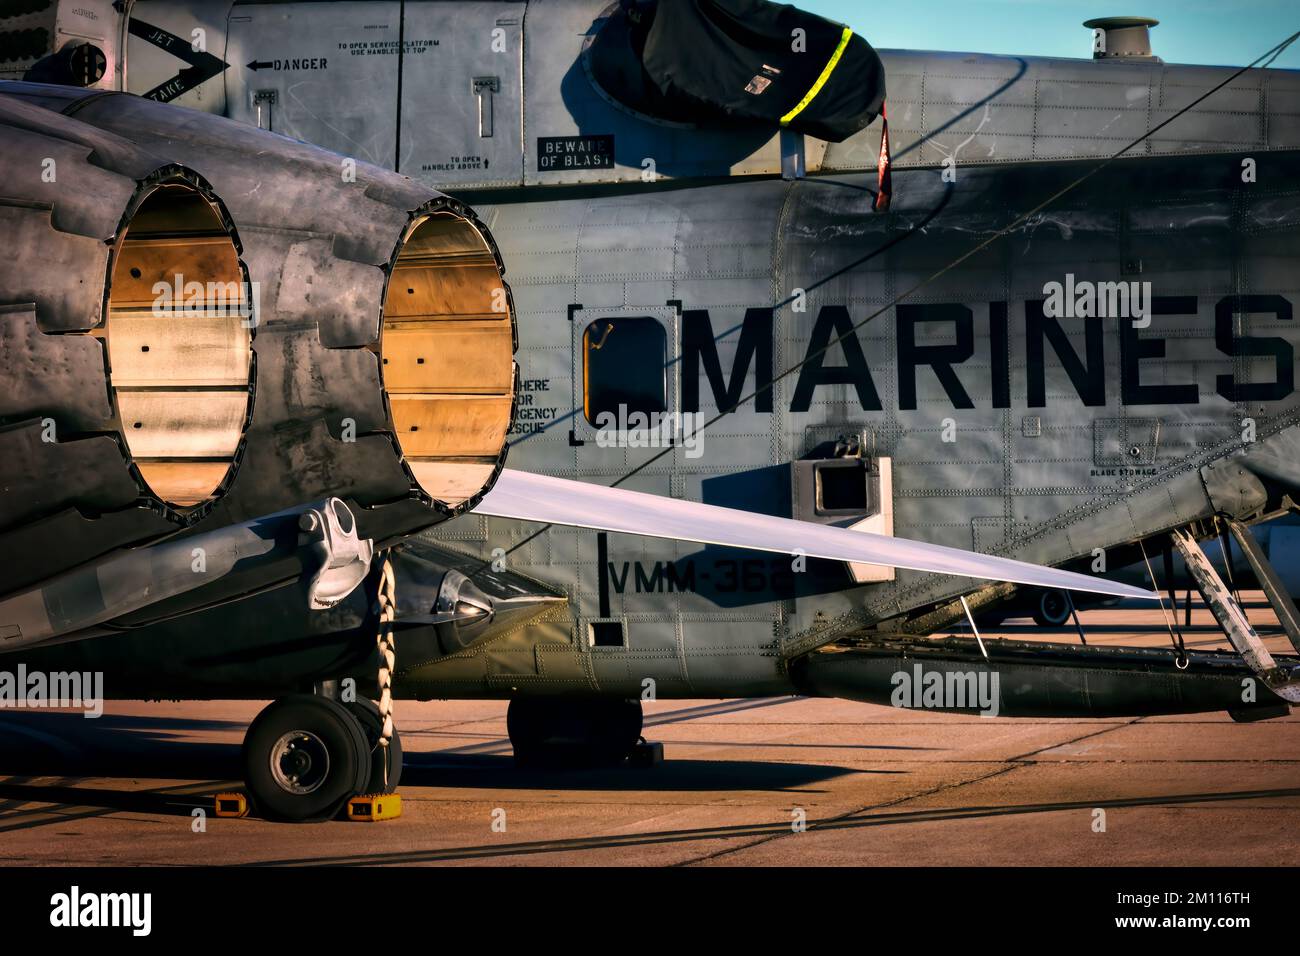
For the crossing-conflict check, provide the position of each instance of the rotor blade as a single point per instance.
(529, 497)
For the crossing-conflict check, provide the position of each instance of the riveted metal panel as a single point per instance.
(324, 73)
(462, 93)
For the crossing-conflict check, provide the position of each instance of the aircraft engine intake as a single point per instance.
(205, 323)
(124, 411)
(447, 355)
(179, 344)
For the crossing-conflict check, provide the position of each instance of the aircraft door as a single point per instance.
(625, 398)
(326, 73)
(462, 93)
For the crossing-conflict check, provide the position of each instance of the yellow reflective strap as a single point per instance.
(821, 80)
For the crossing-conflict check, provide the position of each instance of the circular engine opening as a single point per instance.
(447, 351)
(179, 344)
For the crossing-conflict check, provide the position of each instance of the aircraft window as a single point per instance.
(841, 487)
(624, 361)
(606, 633)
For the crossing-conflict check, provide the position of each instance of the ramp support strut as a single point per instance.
(1282, 681)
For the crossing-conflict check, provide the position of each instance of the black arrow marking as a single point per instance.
(202, 66)
(261, 64)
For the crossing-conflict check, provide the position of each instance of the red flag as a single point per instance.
(884, 180)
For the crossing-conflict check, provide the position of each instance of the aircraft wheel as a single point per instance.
(558, 732)
(367, 712)
(303, 757)
(1052, 609)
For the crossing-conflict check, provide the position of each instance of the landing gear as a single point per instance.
(1052, 609)
(558, 732)
(373, 725)
(304, 756)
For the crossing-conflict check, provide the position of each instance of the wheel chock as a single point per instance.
(230, 805)
(374, 807)
(646, 754)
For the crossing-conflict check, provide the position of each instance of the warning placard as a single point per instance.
(556, 153)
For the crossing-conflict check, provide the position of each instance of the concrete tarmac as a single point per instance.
(875, 786)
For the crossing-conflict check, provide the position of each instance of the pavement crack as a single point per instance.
(1013, 763)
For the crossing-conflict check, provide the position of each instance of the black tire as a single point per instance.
(320, 756)
(1052, 609)
(560, 732)
(366, 711)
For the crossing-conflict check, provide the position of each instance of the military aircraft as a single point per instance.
(785, 392)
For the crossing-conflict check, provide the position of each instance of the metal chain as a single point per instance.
(387, 644)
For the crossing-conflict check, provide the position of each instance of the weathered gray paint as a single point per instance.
(1006, 486)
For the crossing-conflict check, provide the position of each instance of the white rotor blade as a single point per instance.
(528, 497)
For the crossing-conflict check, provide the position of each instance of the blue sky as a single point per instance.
(1221, 32)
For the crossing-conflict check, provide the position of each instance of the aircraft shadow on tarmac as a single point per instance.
(115, 746)
(499, 772)
(15, 814)
(74, 751)
(72, 748)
